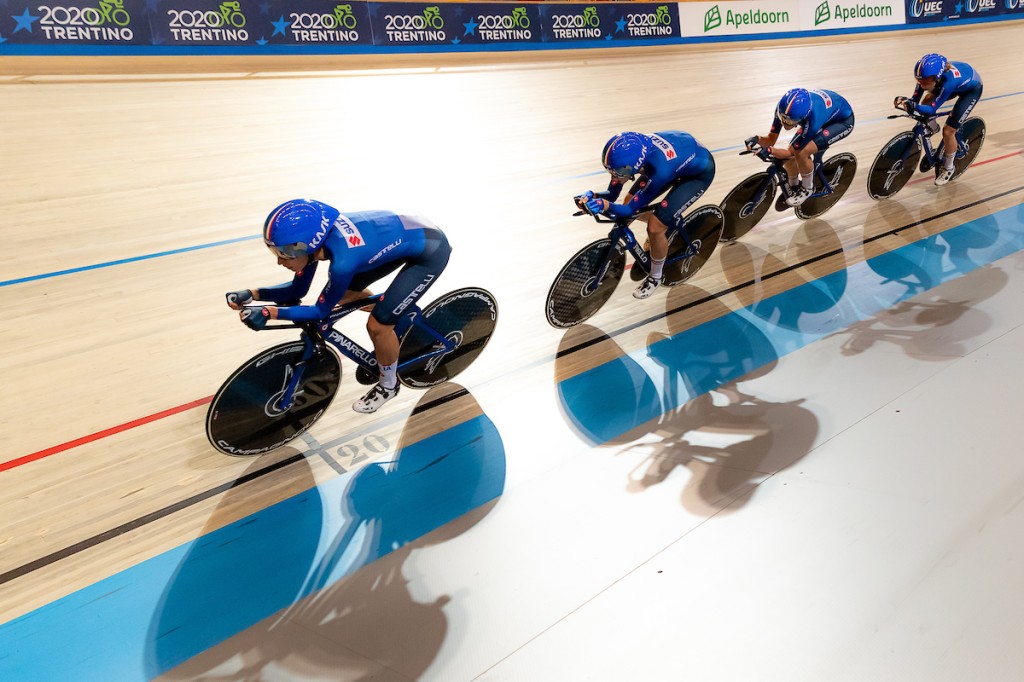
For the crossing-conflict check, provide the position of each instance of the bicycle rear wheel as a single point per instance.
(243, 420)
(894, 166)
(466, 316)
(573, 296)
(746, 204)
(704, 228)
(972, 134)
(839, 170)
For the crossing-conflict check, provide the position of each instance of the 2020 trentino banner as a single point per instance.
(277, 24)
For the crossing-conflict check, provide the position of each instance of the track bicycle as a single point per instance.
(749, 201)
(279, 393)
(587, 281)
(902, 155)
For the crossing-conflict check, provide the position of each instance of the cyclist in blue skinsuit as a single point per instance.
(361, 248)
(937, 80)
(824, 117)
(669, 161)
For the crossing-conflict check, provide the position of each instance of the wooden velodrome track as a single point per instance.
(107, 370)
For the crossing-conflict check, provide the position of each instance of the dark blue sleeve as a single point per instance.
(338, 280)
(945, 90)
(613, 191)
(290, 291)
(776, 125)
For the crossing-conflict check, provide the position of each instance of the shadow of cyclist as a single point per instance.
(814, 258)
(680, 402)
(349, 613)
(930, 326)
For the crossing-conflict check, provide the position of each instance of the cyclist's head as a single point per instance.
(930, 66)
(298, 227)
(624, 154)
(794, 107)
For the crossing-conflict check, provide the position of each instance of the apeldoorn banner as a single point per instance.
(738, 17)
(820, 15)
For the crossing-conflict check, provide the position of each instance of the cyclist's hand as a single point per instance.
(236, 299)
(751, 142)
(595, 206)
(582, 199)
(904, 103)
(764, 153)
(254, 316)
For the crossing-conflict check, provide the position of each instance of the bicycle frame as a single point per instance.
(316, 334)
(923, 137)
(779, 173)
(623, 239)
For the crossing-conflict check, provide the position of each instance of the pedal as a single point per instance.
(925, 165)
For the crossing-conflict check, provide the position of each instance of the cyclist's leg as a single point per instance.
(965, 103)
(671, 213)
(409, 285)
(412, 281)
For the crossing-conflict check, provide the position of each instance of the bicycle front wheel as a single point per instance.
(746, 205)
(839, 170)
(703, 228)
(244, 419)
(465, 316)
(894, 166)
(576, 294)
(972, 134)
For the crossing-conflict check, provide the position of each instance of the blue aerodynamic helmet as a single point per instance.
(624, 154)
(930, 66)
(298, 227)
(794, 107)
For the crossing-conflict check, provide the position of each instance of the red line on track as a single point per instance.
(35, 456)
(979, 163)
(4, 466)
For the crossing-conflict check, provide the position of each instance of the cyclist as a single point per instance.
(824, 118)
(360, 248)
(937, 80)
(669, 161)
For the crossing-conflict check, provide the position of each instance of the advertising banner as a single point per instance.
(610, 22)
(316, 22)
(819, 15)
(738, 17)
(926, 11)
(73, 22)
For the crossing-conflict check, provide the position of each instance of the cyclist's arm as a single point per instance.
(930, 102)
(640, 194)
(612, 193)
(289, 291)
(334, 291)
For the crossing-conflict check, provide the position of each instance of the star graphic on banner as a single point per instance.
(620, 25)
(24, 21)
(2, 39)
(264, 8)
(959, 7)
(455, 41)
(262, 41)
(157, 39)
(608, 37)
(470, 27)
(279, 27)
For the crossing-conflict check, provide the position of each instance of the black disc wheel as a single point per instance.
(746, 205)
(839, 170)
(465, 316)
(245, 416)
(576, 293)
(971, 137)
(695, 239)
(894, 166)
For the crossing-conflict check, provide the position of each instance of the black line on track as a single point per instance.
(146, 519)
